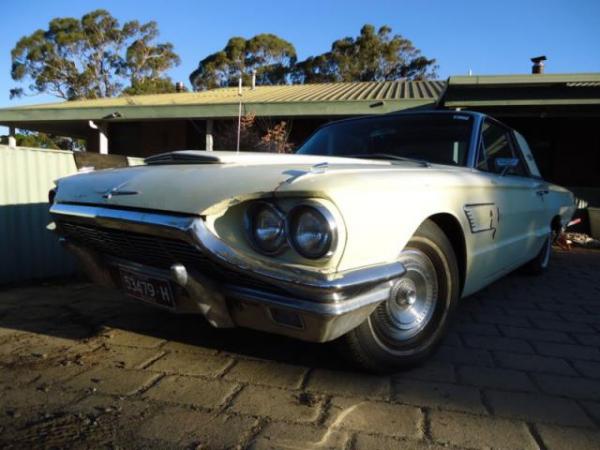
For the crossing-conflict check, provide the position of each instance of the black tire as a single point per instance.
(539, 264)
(384, 342)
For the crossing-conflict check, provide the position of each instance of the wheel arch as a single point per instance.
(455, 234)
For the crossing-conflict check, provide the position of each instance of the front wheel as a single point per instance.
(405, 329)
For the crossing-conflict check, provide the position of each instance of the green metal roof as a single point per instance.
(335, 99)
(522, 90)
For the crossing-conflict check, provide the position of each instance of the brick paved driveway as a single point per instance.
(83, 367)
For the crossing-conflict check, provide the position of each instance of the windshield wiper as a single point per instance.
(389, 156)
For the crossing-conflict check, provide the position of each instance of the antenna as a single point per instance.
(237, 149)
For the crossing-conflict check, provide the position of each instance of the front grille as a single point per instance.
(156, 252)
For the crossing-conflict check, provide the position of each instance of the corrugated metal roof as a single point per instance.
(325, 92)
(327, 99)
(532, 90)
(524, 79)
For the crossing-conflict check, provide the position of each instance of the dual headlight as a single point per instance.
(308, 227)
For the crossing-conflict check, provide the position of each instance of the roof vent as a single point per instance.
(538, 64)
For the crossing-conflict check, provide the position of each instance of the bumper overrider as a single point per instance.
(233, 289)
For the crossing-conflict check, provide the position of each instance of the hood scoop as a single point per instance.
(184, 157)
(252, 159)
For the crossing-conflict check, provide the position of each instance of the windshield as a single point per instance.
(435, 138)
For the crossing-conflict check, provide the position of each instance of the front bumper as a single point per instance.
(300, 303)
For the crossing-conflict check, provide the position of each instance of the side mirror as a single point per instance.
(505, 164)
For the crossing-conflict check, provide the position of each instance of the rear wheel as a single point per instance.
(405, 329)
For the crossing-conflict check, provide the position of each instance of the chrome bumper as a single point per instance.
(315, 306)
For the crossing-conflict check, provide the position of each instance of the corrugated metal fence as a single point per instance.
(27, 249)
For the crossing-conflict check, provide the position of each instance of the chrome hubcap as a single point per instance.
(411, 304)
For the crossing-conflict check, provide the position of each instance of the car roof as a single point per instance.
(421, 112)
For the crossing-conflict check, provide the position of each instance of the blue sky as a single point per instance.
(487, 37)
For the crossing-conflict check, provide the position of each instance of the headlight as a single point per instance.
(312, 231)
(266, 227)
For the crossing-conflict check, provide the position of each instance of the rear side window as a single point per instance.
(496, 142)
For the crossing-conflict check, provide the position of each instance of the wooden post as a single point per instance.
(209, 135)
(102, 136)
(12, 140)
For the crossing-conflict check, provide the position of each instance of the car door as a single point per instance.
(513, 195)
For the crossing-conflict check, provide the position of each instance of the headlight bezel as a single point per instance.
(249, 223)
(289, 240)
(330, 224)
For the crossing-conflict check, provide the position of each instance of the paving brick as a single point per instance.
(502, 319)
(560, 438)
(481, 329)
(496, 378)
(480, 432)
(375, 417)
(124, 357)
(534, 314)
(202, 430)
(560, 307)
(191, 364)
(592, 319)
(532, 334)
(593, 410)
(561, 325)
(30, 397)
(533, 363)
(372, 442)
(438, 395)
(592, 339)
(191, 391)
(278, 404)
(537, 407)
(582, 388)
(281, 435)
(182, 347)
(267, 373)
(588, 369)
(131, 339)
(429, 371)
(568, 351)
(352, 384)
(107, 380)
(456, 355)
(498, 343)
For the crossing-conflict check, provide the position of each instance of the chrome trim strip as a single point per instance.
(375, 295)
(301, 283)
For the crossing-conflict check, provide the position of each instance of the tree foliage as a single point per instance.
(256, 134)
(91, 57)
(271, 57)
(374, 55)
(34, 139)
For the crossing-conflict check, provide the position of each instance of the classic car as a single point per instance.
(368, 235)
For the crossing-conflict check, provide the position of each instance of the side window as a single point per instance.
(496, 143)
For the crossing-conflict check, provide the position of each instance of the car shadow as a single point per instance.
(76, 310)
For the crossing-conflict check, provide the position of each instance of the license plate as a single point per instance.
(147, 287)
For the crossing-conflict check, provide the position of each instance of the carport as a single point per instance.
(559, 114)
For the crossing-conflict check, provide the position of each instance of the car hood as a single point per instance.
(198, 182)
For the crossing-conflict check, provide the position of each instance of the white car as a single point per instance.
(368, 235)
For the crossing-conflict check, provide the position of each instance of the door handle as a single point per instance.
(542, 189)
